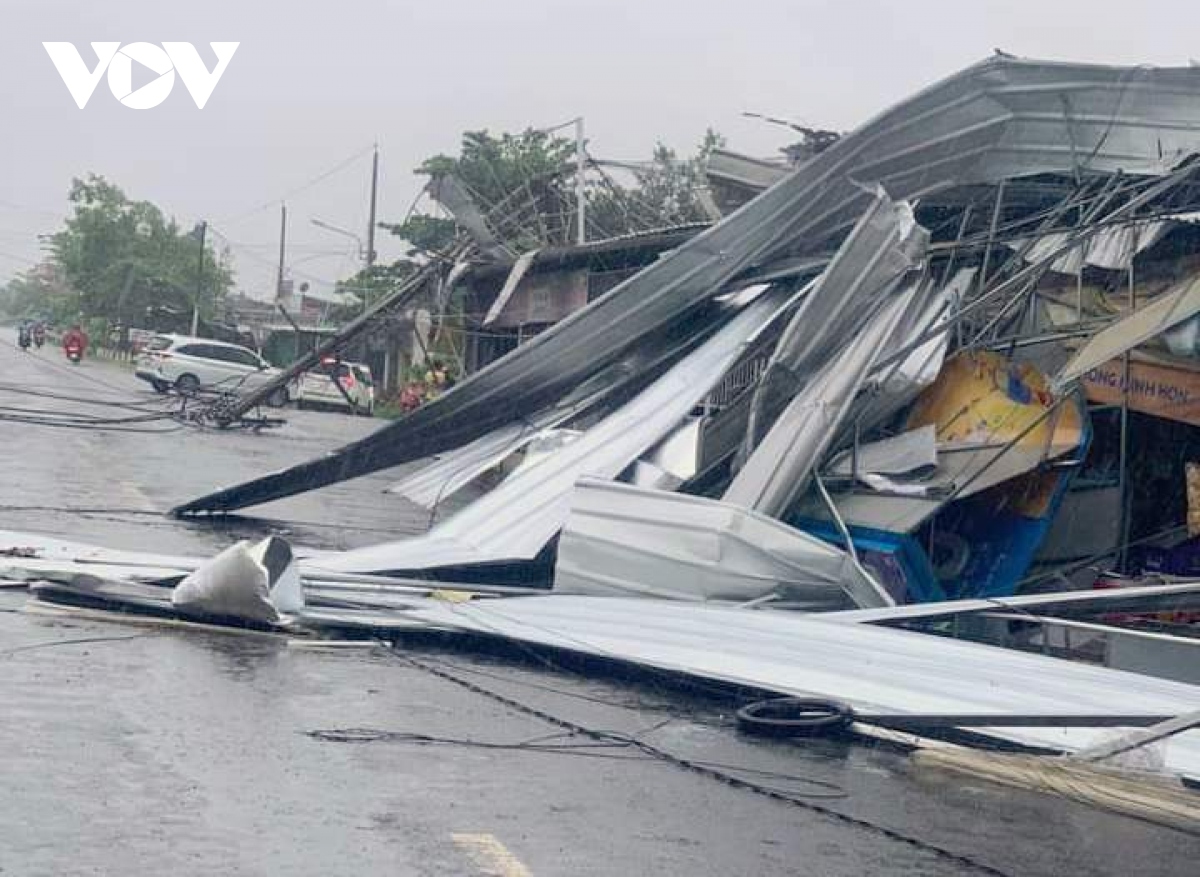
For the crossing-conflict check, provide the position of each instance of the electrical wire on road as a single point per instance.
(168, 414)
(635, 744)
(723, 773)
(54, 643)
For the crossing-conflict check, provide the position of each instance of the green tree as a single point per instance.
(122, 257)
(524, 186)
(365, 288)
(517, 181)
(38, 292)
(668, 190)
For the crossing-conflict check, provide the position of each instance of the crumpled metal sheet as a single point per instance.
(885, 244)
(875, 669)
(518, 518)
(449, 191)
(894, 386)
(1111, 248)
(1001, 118)
(963, 469)
(777, 473)
(448, 473)
(518, 272)
(1163, 313)
(827, 352)
(50, 553)
(234, 584)
(907, 452)
(632, 541)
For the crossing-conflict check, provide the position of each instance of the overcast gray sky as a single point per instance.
(315, 83)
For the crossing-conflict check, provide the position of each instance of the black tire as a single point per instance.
(160, 386)
(795, 717)
(278, 399)
(187, 385)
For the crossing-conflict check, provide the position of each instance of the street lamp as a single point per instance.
(345, 232)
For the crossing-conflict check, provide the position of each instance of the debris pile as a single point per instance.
(875, 389)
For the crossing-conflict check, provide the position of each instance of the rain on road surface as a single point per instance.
(149, 750)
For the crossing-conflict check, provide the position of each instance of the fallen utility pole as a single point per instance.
(333, 375)
(228, 414)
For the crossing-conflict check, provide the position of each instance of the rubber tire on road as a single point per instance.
(794, 717)
(187, 385)
(278, 399)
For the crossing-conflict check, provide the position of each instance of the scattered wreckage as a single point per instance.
(820, 448)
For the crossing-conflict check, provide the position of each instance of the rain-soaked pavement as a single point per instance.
(152, 750)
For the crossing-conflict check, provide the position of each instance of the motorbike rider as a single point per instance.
(39, 333)
(75, 338)
(24, 335)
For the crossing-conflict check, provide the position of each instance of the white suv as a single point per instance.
(190, 364)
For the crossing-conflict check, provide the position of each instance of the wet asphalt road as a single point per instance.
(147, 750)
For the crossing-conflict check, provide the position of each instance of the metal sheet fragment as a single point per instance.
(626, 540)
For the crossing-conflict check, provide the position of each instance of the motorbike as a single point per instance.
(23, 340)
(39, 338)
(74, 352)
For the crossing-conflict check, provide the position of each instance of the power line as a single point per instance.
(324, 175)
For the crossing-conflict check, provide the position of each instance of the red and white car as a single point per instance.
(319, 387)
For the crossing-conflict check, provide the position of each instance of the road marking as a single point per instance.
(491, 856)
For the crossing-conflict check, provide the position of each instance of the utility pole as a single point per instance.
(371, 221)
(199, 279)
(282, 251)
(580, 197)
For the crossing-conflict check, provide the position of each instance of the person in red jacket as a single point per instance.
(75, 338)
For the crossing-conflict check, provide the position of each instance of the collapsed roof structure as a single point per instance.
(1114, 139)
(803, 326)
(865, 387)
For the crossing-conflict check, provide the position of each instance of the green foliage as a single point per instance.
(668, 191)
(494, 168)
(120, 257)
(516, 180)
(524, 185)
(366, 287)
(38, 293)
(426, 234)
